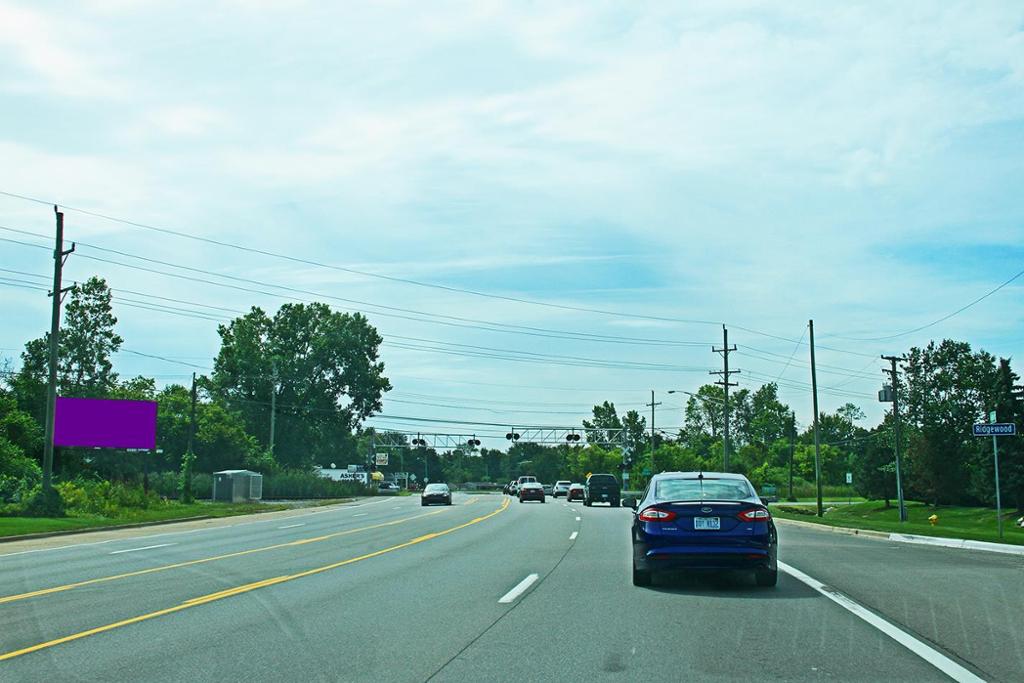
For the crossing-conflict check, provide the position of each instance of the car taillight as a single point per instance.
(656, 515)
(754, 515)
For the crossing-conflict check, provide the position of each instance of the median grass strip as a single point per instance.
(976, 524)
(19, 526)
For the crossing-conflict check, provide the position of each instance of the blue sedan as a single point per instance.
(708, 521)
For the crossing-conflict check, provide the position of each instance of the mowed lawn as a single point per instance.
(17, 526)
(978, 524)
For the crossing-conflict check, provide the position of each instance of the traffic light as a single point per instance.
(572, 438)
(512, 436)
(474, 442)
(422, 443)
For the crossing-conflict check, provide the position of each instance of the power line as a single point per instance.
(422, 316)
(934, 322)
(461, 290)
(796, 347)
(344, 269)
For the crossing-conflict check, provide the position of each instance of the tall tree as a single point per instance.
(605, 426)
(1008, 408)
(87, 343)
(635, 426)
(324, 368)
(948, 388)
(704, 419)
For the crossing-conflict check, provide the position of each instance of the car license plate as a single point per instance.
(707, 523)
(604, 495)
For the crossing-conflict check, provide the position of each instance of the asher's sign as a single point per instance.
(104, 423)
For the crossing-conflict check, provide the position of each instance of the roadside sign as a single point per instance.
(849, 477)
(995, 429)
(647, 471)
(412, 477)
(381, 459)
(625, 475)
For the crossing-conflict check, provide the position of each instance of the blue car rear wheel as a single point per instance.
(641, 577)
(767, 578)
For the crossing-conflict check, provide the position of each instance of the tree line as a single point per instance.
(323, 372)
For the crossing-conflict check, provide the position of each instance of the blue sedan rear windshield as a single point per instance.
(712, 489)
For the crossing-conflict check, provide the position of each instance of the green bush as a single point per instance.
(202, 486)
(164, 484)
(14, 489)
(42, 503)
(294, 484)
(108, 499)
(807, 510)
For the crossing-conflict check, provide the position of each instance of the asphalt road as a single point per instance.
(390, 591)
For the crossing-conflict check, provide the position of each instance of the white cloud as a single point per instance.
(185, 120)
(68, 56)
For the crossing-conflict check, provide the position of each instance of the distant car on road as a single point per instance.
(387, 486)
(706, 521)
(575, 492)
(531, 490)
(547, 489)
(602, 488)
(560, 488)
(436, 493)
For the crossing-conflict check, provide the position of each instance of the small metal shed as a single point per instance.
(236, 486)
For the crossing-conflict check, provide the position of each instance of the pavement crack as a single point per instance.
(501, 616)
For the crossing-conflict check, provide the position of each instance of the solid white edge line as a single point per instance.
(361, 514)
(572, 537)
(291, 526)
(148, 547)
(922, 650)
(519, 589)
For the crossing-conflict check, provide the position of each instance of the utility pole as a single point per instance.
(59, 257)
(817, 444)
(893, 374)
(189, 457)
(652, 405)
(273, 407)
(792, 437)
(724, 382)
(192, 418)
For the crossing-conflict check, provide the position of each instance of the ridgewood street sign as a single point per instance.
(995, 429)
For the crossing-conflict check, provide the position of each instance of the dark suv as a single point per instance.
(602, 488)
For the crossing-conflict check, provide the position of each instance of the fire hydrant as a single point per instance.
(933, 520)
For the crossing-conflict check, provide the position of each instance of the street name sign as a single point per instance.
(995, 429)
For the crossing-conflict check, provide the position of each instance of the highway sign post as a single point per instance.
(995, 430)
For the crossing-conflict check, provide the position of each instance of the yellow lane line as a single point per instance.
(178, 565)
(245, 588)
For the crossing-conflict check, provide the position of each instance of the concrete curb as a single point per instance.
(835, 529)
(964, 544)
(935, 541)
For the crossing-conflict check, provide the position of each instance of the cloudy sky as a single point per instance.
(613, 180)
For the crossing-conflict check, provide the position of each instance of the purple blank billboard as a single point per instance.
(104, 423)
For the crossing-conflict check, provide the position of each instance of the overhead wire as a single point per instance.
(408, 281)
